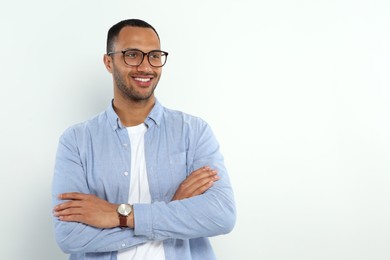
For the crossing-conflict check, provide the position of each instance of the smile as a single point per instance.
(142, 79)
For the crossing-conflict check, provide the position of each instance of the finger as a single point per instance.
(68, 212)
(202, 189)
(69, 204)
(190, 189)
(72, 196)
(72, 218)
(203, 177)
(198, 175)
(194, 181)
(200, 171)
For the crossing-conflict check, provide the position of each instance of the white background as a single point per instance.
(296, 91)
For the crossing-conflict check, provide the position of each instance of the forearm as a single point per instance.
(210, 214)
(75, 237)
(85, 223)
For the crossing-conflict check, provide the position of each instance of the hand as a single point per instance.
(87, 209)
(196, 183)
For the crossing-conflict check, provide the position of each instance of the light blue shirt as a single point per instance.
(94, 158)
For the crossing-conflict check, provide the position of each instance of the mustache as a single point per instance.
(152, 74)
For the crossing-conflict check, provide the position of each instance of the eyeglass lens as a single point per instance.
(135, 58)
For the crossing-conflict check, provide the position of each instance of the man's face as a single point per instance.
(135, 82)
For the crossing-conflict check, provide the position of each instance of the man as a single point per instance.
(139, 181)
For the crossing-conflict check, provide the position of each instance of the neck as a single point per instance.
(132, 112)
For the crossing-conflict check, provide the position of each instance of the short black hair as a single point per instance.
(113, 32)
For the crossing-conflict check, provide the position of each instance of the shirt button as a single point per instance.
(123, 245)
(125, 145)
(126, 173)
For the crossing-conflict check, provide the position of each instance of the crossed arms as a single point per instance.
(96, 212)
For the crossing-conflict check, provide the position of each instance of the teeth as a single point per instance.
(143, 79)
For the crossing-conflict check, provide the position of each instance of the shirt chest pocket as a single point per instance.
(176, 172)
(178, 164)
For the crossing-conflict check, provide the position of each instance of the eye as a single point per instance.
(155, 55)
(132, 54)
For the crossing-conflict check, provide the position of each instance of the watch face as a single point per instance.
(124, 209)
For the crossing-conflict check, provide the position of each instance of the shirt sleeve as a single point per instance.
(69, 176)
(210, 214)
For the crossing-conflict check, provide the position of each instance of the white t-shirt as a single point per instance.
(139, 193)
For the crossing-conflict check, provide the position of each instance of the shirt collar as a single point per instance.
(154, 116)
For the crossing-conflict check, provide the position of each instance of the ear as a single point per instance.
(107, 59)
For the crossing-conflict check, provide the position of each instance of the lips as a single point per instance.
(144, 81)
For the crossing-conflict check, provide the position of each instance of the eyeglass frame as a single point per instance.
(143, 56)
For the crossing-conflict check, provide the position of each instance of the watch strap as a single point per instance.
(122, 221)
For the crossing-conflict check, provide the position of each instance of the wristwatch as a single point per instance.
(124, 211)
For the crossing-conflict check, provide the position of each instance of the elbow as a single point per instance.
(70, 241)
(73, 246)
(225, 219)
(229, 221)
(69, 247)
(66, 248)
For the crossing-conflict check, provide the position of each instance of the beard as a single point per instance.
(129, 91)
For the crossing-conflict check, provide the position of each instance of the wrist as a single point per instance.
(125, 213)
(130, 220)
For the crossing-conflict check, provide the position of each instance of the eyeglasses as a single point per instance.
(134, 57)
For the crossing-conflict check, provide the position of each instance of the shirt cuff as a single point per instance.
(143, 220)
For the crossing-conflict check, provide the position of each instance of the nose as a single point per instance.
(144, 66)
